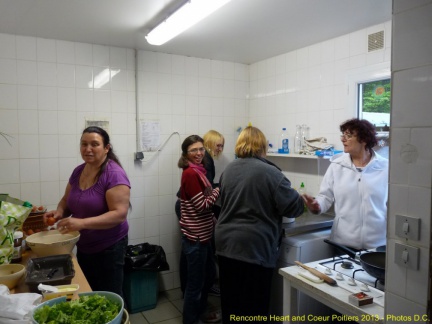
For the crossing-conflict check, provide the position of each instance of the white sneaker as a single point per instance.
(212, 317)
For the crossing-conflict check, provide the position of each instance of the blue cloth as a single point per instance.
(201, 273)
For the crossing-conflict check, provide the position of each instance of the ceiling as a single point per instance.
(243, 31)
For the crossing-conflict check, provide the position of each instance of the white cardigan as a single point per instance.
(360, 200)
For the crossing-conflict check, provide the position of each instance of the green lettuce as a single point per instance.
(89, 309)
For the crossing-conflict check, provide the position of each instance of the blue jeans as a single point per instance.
(104, 270)
(201, 273)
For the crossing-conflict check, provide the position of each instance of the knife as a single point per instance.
(320, 275)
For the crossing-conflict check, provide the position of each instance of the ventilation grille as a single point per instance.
(376, 41)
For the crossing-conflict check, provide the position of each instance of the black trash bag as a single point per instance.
(147, 257)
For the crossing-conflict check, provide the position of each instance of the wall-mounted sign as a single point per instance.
(149, 135)
(99, 123)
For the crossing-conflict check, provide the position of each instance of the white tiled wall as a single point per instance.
(189, 96)
(311, 86)
(47, 93)
(45, 98)
(410, 157)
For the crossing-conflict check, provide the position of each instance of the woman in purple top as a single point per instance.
(97, 199)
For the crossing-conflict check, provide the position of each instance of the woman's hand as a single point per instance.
(52, 213)
(312, 204)
(69, 224)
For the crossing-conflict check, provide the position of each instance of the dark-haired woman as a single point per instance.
(357, 183)
(197, 198)
(97, 199)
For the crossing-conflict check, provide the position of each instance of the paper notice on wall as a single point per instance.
(150, 135)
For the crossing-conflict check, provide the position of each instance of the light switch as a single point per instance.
(407, 256)
(408, 227)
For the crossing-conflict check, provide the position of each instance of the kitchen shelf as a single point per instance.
(293, 155)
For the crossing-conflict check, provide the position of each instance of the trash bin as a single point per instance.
(141, 279)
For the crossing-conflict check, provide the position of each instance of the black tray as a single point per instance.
(51, 270)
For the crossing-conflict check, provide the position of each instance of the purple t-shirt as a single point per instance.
(91, 202)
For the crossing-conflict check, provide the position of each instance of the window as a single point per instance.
(374, 103)
(374, 98)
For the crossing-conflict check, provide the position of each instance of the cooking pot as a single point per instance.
(372, 262)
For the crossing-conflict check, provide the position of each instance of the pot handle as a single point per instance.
(343, 248)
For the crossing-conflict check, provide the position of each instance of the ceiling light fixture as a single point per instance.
(188, 15)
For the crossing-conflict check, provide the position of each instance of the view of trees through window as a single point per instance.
(374, 105)
(374, 102)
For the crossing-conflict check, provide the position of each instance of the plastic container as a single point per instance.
(297, 140)
(283, 147)
(140, 290)
(52, 270)
(17, 255)
(63, 290)
(301, 191)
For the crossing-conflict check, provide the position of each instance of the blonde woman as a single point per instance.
(214, 144)
(255, 195)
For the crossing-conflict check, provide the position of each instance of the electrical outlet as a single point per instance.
(408, 227)
(407, 256)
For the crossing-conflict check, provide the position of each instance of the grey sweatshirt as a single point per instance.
(255, 195)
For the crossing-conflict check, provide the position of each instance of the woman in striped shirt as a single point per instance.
(197, 223)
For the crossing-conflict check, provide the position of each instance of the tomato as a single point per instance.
(41, 208)
(51, 221)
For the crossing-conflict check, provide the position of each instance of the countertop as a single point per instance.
(335, 297)
(307, 223)
(79, 277)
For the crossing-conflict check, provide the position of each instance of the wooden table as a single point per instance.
(79, 277)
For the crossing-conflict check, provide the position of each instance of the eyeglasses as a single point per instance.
(195, 150)
(346, 136)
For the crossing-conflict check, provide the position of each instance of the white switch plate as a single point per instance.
(408, 227)
(407, 256)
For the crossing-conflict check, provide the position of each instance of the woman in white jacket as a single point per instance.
(357, 183)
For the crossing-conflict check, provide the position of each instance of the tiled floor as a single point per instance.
(168, 309)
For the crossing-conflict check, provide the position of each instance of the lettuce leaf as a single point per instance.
(89, 309)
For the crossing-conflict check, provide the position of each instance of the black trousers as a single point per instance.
(104, 270)
(245, 291)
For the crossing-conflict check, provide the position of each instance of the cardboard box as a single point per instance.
(360, 299)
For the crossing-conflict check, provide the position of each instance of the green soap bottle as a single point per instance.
(301, 191)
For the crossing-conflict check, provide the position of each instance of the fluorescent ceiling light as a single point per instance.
(188, 15)
(102, 78)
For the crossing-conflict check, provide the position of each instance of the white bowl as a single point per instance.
(287, 220)
(10, 274)
(48, 243)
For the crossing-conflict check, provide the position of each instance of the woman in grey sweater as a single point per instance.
(255, 195)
